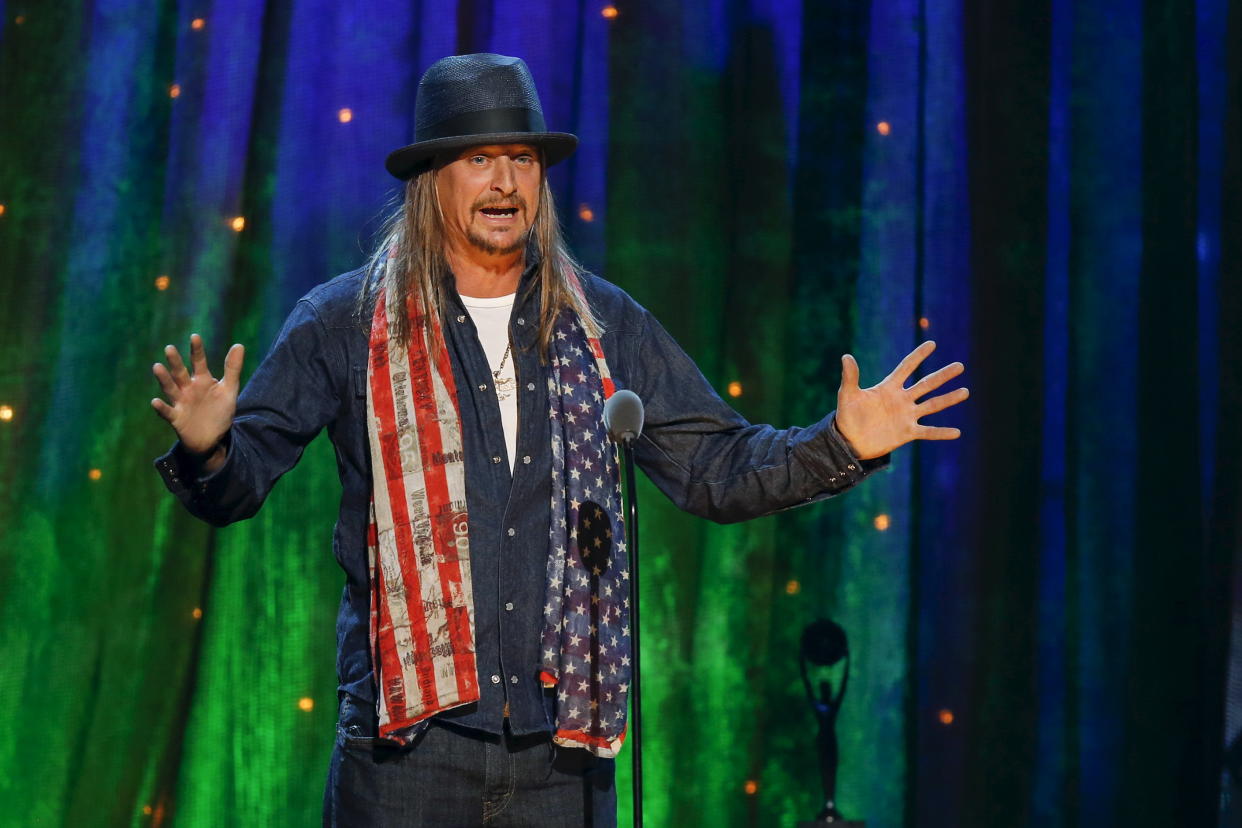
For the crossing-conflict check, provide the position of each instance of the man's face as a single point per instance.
(489, 195)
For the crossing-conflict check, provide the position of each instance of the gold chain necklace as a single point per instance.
(505, 386)
(503, 360)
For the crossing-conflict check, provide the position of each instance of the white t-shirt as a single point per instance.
(491, 320)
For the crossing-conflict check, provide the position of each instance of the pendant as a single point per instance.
(504, 387)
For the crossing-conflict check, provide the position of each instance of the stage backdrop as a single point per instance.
(1038, 613)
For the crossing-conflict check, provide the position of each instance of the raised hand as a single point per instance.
(199, 407)
(878, 419)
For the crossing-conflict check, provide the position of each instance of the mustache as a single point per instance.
(514, 200)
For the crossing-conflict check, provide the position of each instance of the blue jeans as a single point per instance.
(453, 776)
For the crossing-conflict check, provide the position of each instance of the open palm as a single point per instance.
(878, 419)
(199, 407)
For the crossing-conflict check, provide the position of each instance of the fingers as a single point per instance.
(167, 384)
(935, 379)
(176, 367)
(162, 408)
(912, 361)
(233, 364)
(198, 356)
(849, 373)
(942, 402)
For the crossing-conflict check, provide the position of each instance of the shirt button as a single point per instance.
(513, 679)
(526, 459)
(521, 320)
(483, 386)
(461, 319)
(509, 606)
(851, 466)
(512, 531)
(530, 386)
(495, 679)
(495, 458)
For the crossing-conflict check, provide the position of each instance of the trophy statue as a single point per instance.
(823, 647)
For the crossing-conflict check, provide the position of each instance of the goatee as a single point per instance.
(489, 247)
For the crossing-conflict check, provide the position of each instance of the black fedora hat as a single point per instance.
(471, 100)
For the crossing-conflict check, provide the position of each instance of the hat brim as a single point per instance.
(405, 162)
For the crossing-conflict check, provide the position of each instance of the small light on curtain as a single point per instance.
(238, 223)
(147, 809)
(585, 212)
(174, 90)
(793, 587)
(609, 12)
(6, 413)
(345, 115)
(751, 787)
(197, 24)
(945, 716)
(161, 282)
(306, 704)
(95, 474)
(735, 389)
(20, 19)
(881, 522)
(1, 209)
(196, 613)
(924, 322)
(883, 128)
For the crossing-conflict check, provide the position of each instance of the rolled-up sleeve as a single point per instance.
(293, 394)
(711, 462)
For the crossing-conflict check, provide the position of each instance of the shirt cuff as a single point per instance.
(867, 466)
(833, 459)
(182, 472)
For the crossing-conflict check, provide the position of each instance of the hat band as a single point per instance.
(485, 121)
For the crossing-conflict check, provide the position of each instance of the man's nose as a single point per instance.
(504, 180)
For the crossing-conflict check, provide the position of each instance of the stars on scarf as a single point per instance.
(586, 632)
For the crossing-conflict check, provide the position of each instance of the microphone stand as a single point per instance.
(631, 534)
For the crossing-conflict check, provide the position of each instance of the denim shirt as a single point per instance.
(701, 453)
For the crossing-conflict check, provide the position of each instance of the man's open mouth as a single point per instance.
(499, 212)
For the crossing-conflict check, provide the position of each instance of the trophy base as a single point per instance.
(835, 823)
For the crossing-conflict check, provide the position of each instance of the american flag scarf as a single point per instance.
(422, 622)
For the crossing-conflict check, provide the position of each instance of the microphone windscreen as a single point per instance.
(623, 416)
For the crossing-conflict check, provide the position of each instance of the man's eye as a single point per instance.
(477, 159)
(525, 159)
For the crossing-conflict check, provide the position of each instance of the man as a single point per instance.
(483, 652)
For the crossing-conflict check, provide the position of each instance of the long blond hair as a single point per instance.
(409, 262)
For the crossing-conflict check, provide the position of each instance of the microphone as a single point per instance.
(623, 416)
